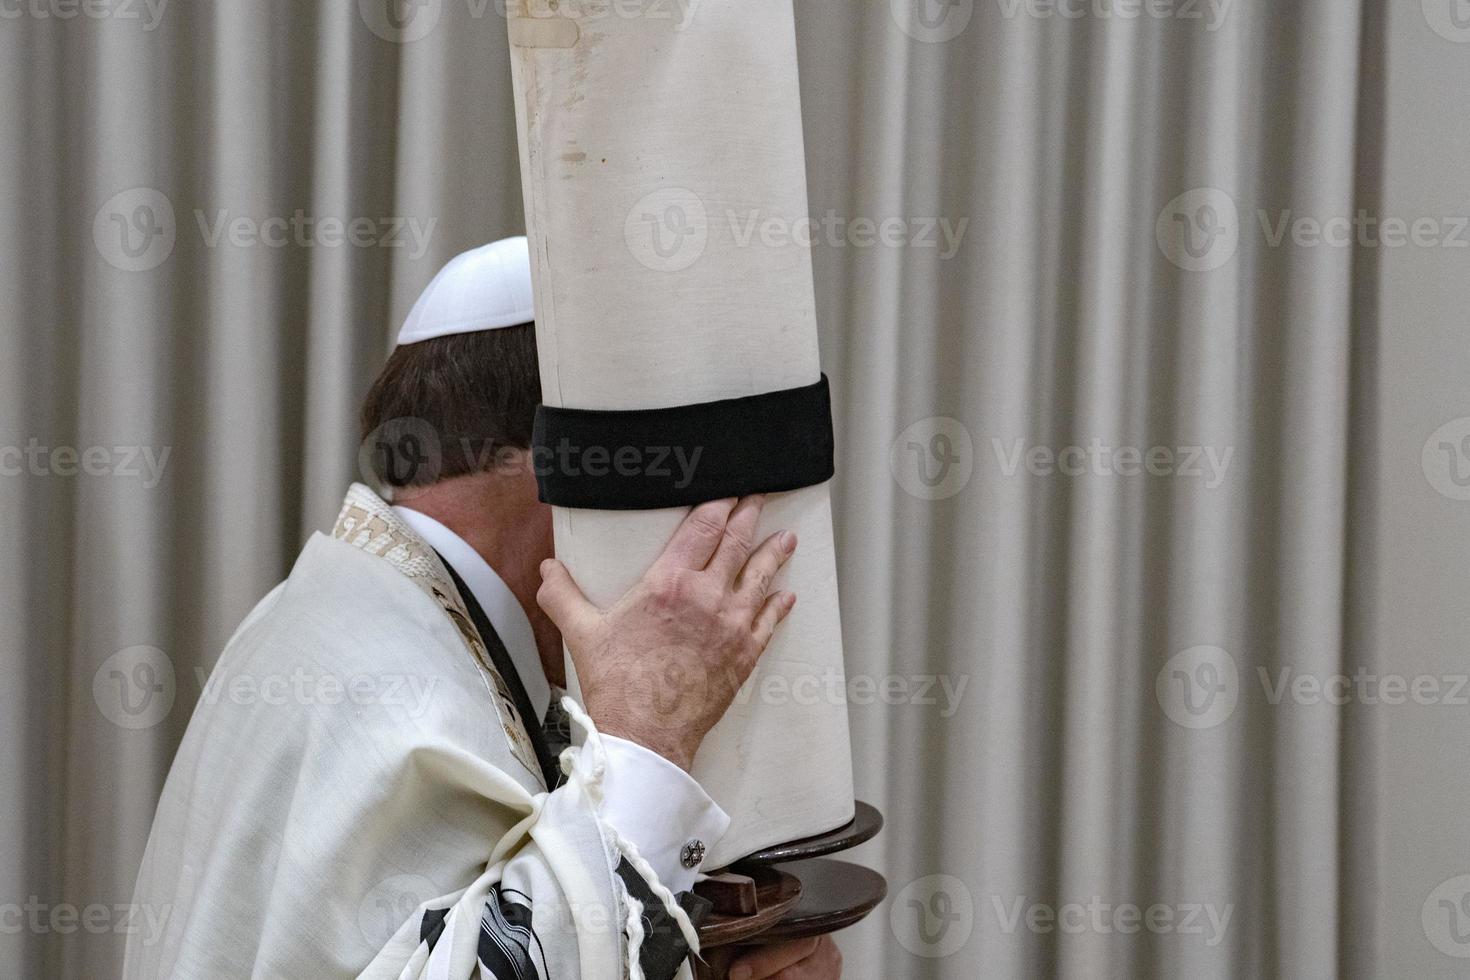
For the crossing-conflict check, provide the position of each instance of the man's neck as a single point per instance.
(494, 515)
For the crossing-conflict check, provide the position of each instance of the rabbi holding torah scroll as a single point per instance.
(389, 781)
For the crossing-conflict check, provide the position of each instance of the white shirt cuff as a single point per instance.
(661, 810)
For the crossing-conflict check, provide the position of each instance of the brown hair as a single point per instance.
(459, 401)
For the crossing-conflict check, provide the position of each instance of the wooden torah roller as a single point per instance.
(791, 891)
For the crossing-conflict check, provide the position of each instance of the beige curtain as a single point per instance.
(1107, 450)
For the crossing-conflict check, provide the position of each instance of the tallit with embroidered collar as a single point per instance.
(356, 796)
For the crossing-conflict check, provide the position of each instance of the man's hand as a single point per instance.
(804, 959)
(662, 665)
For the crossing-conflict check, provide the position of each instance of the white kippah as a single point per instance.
(486, 288)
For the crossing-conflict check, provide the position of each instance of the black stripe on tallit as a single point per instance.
(432, 926)
(506, 667)
(509, 947)
(664, 948)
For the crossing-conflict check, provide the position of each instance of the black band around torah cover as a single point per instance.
(647, 459)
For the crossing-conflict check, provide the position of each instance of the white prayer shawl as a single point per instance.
(355, 774)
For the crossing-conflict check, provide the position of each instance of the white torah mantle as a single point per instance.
(659, 148)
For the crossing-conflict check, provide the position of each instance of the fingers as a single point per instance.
(775, 609)
(754, 581)
(738, 539)
(694, 543)
(825, 963)
(562, 598)
(771, 960)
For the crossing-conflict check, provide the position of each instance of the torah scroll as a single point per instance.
(662, 157)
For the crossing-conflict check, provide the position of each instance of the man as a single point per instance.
(380, 781)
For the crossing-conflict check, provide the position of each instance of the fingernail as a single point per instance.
(545, 565)
(788, 541)
(790, 600)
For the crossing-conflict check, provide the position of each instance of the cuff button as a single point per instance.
(692, 855)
